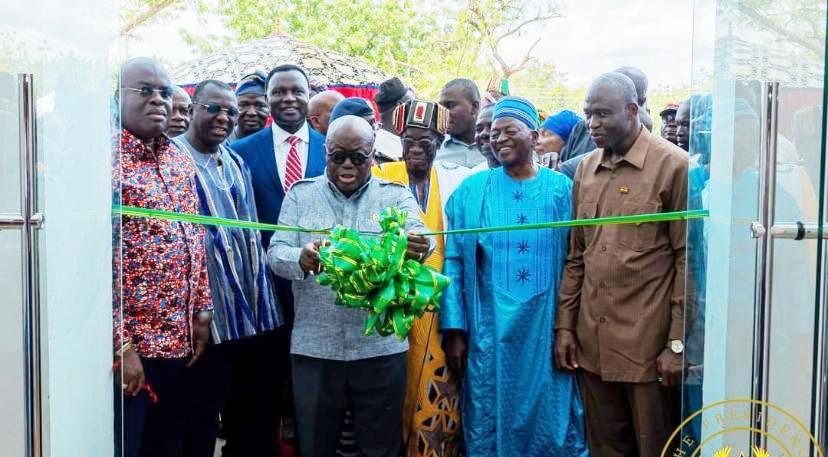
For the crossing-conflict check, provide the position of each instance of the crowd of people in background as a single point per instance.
(548, 342)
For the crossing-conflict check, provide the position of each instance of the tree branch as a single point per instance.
(526, 59)
(814, 47)
(145, 16)
(516, 29)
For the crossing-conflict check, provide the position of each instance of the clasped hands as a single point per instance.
(417, 249)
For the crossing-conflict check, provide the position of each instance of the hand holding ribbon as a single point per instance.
(374, 275)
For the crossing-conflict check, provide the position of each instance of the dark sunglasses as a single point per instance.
(215, 108)
(357, 158)
(147, 91)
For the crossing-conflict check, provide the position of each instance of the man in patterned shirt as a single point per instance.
(162, 307)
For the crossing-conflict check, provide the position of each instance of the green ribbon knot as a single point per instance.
(372, 274)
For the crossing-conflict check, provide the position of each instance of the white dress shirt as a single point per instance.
(282, 147)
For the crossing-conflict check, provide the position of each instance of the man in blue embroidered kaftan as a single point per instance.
(245, 307)
(499, 310)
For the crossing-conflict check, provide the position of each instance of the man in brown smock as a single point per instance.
(620, 319)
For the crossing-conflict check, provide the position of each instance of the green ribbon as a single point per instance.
(207, 220)
(372, 274)
(223, 222)
(369, 271)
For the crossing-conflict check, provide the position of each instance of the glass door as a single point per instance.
(12, 224)
(756, 311)
(56, 82)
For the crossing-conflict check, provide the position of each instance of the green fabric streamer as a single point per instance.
(207, 220)
(373, 275)
(222, 222)
(370, 272)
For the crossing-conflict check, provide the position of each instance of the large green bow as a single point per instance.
(373, 274)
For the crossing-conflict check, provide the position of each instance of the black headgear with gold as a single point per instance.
(422, 114)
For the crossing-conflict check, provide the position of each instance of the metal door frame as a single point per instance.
(29, 221)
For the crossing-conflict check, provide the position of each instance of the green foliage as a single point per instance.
(389, 34)
(424, 44)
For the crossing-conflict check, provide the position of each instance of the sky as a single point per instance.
(592, 37)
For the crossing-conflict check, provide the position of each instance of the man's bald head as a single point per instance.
(640, 82)
(616, 84)
(350, 126)
(145, 114)
(611, 112)
(181, 114)
(319, 109)
(350, 146)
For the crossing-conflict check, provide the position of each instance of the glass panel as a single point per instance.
(67, 46)
(738, 47)
(9, 142)
(12, 432)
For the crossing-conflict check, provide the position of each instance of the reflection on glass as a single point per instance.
(755, 42)
(9, 145)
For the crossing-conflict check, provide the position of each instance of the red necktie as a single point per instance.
(293, 166)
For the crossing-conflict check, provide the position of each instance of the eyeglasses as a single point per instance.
(215, 108)
(357, 158)
(147, 91)
(423, 144)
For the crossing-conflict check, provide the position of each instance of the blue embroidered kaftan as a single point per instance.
(503, 295)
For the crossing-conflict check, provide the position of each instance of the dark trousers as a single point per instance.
(625, 419)
(254, 407)
(372, 389)
(145, 429)
(208, 384)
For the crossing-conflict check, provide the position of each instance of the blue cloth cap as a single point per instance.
(562, 123)
(251, 86)
(517, 108)
(353, 106)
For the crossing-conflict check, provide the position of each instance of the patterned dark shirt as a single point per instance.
(160, 269)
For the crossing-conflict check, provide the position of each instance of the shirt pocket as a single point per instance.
(369, 226)
(638, 237)
(587, 210)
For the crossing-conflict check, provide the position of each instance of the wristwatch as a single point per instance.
(677, 346)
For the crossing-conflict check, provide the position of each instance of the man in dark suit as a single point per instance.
(278, 156)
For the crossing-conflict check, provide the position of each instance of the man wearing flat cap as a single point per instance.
(498, 311)
(253, 110)
(669, 127)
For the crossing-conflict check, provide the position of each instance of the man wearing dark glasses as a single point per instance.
(334, 364)
(243, 300)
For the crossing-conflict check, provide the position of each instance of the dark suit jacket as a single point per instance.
(257, 152)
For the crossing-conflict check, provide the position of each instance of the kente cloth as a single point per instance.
(503, 295)
(431, 414)
(244, 303)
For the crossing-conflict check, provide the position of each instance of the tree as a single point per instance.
(426, 45)
(798, 22)
(397, 36)
(138, 13)
(499, 20)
